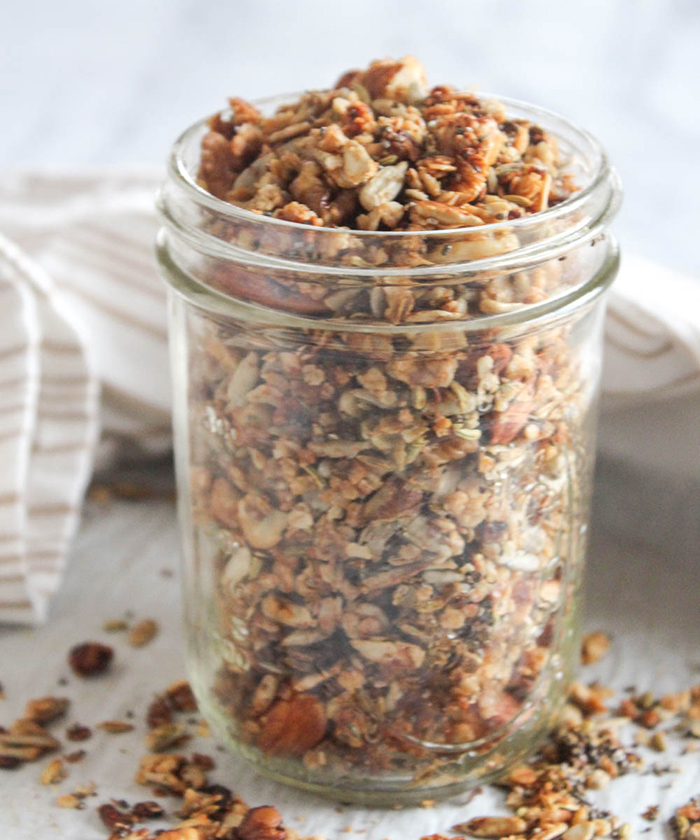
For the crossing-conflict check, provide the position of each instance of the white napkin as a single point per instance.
(81, 306)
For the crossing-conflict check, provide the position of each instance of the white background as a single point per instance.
(94, 83)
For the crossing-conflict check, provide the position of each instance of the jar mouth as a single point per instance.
(540, 235)
(535, 316)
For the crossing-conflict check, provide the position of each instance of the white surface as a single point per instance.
(114, 83)
(647, 600)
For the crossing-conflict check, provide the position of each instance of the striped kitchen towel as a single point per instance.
(48, 425)
(82, 309)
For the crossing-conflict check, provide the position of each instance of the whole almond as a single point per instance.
(143, 632)
(263, 823)
(293, 726)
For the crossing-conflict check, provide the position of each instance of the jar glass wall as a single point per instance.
(384, 451)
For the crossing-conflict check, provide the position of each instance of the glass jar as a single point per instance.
(384, 447)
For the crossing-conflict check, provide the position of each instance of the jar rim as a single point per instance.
(193, 220)
(183, 177)
(216, 301)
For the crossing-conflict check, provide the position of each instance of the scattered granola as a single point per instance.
(77, 732)
(652, 813)
(46, 709)
(166, 736)
(686, 821)
(115, 625)
(549, 797)
(26, 740)
(178, 697)
(143, 632)
(115, 727)
(594, 647)
(54, 772)
(90, 659)
(114, 819)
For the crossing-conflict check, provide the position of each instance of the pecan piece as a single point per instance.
(508, 424)
(147, 811)
(46, 709)
(181, 697)
(114, 819)
(90, 659)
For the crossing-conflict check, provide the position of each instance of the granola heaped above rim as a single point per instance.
(380, 151)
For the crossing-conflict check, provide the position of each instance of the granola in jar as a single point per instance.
(386, 334)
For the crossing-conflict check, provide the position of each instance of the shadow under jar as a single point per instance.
(384, 447)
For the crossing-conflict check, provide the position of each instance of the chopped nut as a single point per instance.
(114, 819)
(69, 800)
(27, 741)
(46, 709)
(115, 625)
(582, 831)
(181, 697)
(147, 811)
(686, 820)
(90, 659)
(159, 712)
(54, 772)
(76, 732)
(143, 632)
(658, 742)
(263, 823)
(594, 647)
(492, 826)
(165, 736)
(651, 813)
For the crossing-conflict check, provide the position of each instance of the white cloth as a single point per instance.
(81, 306)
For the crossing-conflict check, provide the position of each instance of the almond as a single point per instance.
(293, 726)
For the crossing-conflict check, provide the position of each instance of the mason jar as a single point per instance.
(384, 447)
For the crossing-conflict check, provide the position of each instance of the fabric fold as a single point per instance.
(49, 402)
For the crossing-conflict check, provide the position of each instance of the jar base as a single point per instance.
(400, 790)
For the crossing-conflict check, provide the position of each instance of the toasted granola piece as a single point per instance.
(357, 140)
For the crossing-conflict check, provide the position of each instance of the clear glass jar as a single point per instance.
(384, 449)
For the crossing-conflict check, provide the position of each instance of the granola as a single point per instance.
(372, 153)
(390, 508)
(549, 797)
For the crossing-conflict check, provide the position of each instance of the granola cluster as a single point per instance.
(387, 508)
(380, 151)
